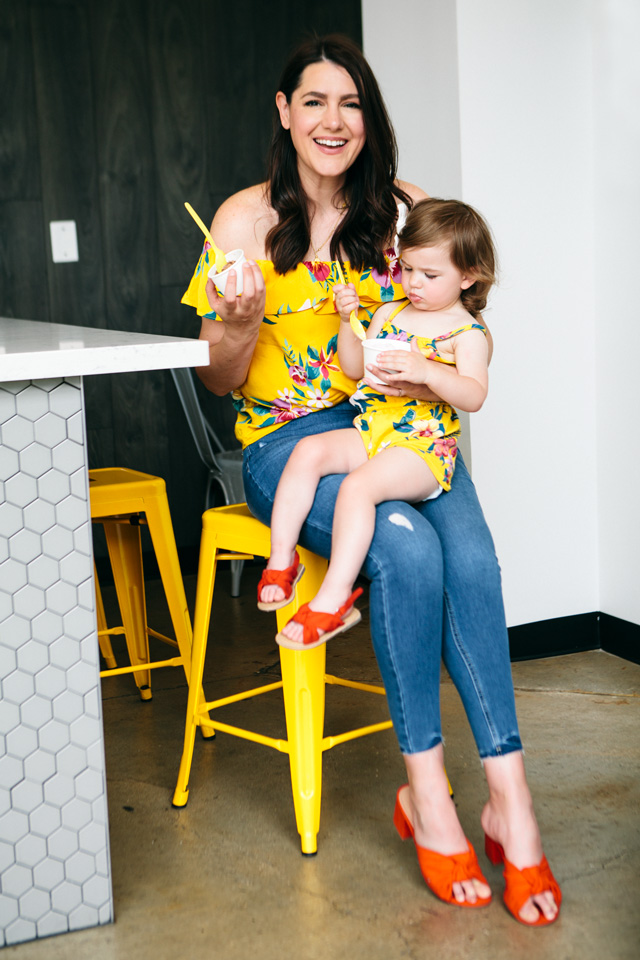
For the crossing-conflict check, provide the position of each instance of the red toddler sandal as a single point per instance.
(286, 579)
(315, 620)
(525, 883)
(439, 871)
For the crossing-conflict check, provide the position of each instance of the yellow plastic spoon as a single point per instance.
(356, 326)
(219, 257)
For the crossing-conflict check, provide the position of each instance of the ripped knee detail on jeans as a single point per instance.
(400, 521)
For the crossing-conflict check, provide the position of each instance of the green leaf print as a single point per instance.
(406, 424)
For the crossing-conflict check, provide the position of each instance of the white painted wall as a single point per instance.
(617, 217)
(535, 81)
(412, 46)
(527, 162)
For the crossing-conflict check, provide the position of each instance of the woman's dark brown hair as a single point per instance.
(370, 189)
(468, 237)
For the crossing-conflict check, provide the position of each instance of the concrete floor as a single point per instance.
(224, 878)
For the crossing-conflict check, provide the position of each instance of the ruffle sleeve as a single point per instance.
(310, 287)
(195, 294)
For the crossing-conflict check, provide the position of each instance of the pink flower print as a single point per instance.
(318, 399)
(394, 265)
(286, 415)
(393, 271)
(319, 270)
(398, 335)
(446, 448)
(298, 374)
(382, 279)
(324, 363)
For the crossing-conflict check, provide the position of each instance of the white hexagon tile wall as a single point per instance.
(54, 847)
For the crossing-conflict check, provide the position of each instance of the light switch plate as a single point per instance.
(64, 241)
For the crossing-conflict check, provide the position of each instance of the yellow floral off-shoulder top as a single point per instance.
(295, 370)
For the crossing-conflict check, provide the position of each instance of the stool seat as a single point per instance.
(121, 486)
(231, 532)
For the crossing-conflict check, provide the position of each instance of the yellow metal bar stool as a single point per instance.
(231, 532)
(122, 500)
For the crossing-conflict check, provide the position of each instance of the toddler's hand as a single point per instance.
(409, 366)
(345, 299)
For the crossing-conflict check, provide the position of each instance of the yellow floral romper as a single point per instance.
(295, 370)
(429, 429)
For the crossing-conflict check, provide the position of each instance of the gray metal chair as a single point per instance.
(224, 466)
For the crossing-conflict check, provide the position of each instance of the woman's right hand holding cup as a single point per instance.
(244, 313)
(232, 342)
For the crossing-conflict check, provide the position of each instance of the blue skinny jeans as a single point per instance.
(435, 594)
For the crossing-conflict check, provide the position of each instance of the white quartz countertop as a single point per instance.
(32, 350)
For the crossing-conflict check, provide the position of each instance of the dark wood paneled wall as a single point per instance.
(112, 114)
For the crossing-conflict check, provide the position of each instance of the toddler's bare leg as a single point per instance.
(393, 474)
(314, 457)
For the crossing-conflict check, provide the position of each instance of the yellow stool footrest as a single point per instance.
(246, 695)
(282, 746)
(116, 671)
(354, 684)
(329, 742)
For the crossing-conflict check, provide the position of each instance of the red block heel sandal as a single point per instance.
(440, 872)
(525, 883)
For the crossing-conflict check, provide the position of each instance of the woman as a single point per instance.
(332, 195)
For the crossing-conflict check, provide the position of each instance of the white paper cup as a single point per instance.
(374, 347)
(220, 279)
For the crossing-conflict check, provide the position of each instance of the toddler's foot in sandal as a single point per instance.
(276, 587)
(310, 627)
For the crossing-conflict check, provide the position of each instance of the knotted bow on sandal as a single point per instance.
(440, 872)
(315, 620)
(525, 883)
(285, 579)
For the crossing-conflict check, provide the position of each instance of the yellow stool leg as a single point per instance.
(164, 545)
(125, 553)
(304, 690)
(103, 638)
(204, 598)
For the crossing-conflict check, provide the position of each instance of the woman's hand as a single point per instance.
(345, 299)
(399, 388)
(408, 381)
(248, 307)
(232, 342)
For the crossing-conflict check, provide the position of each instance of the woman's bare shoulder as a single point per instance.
(416, 193)
(244, 220)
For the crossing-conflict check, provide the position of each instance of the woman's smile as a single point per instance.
(330, 144)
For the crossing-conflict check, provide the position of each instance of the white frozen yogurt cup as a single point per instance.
(220, 279)
(372, 348)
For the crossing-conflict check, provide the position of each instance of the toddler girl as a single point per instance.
(400, 447)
